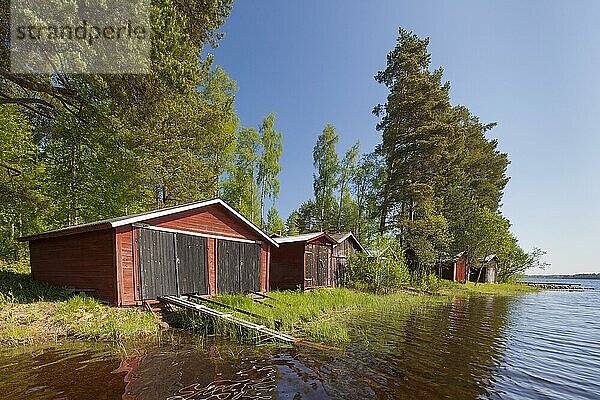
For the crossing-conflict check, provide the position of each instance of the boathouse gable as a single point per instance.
(302, 262)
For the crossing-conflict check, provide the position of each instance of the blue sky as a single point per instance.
(531, 66)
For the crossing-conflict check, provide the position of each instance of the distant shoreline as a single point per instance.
(565, 276)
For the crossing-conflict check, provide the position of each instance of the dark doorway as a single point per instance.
(238, 267)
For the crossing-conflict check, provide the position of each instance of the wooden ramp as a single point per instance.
(250, 326)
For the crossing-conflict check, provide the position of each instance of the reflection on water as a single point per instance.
(540, 345)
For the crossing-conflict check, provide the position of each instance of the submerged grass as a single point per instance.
(331, 315)
(319, 315)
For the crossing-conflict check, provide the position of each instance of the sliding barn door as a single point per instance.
(238, 267)
(156, 255)
(171, 264)
(192, 258)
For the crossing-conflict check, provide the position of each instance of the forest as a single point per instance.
(78, 148)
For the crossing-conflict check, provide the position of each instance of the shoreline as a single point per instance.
(322, 315)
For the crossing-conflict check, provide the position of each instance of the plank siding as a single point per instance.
(287, 266)
(264, 267)
(107, 259)
(341, 255)
(124, 240)
(212, 266)
(460, 269)
(83, 261)
(213, 220)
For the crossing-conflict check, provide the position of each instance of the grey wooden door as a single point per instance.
(318, 265)
(238, 267)
(324, 265)
(192, 263)
(171, 264)
(157, 263)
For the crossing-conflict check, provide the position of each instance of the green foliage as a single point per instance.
(384, 268)
(444, 179)
(325, 178)
(308, 220)
(23, 204)
(426, 282)
(367, 181)
(97, 146)
(269, 166)
(292, 224)
(240, 188)
(252, 177)
(347, 210)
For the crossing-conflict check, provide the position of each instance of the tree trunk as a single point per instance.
(74, 209)
(384, 207)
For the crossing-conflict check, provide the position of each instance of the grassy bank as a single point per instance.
(319, 315)
(471, 289)
(32, 311)
(326, 314)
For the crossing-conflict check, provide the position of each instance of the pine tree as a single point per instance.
(417, 133)
(274, 224)
(291, 224)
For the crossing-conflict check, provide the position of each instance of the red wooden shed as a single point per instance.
(204, 247)
(455, 270)
(302, 262)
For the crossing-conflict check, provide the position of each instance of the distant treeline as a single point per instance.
(78, 148)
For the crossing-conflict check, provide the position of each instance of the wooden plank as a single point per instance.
(248, 313)
(202, 309)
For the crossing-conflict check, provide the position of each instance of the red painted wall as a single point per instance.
(84, 261)
(461, 269)
(213, 220)
(287, 266)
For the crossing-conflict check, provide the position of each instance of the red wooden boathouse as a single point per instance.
(204, 247)
(302, 262)
(455, 270)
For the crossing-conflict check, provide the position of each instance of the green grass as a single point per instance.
(17, 286)
(333, 315)
(472, 289)
(32, 311)
(85, 318)
(323, 315)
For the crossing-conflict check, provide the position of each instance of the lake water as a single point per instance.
(535, 346)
